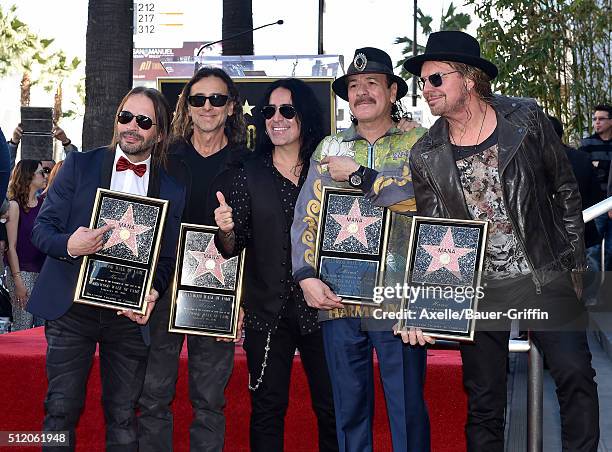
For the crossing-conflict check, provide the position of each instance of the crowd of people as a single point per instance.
(488, 157)
(24, 192)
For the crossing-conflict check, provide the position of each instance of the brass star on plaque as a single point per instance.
(246, 108)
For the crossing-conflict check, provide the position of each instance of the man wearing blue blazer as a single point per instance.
(133, 163)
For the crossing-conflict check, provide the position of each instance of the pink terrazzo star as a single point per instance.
(209, 261)
(125, 231)
(446, 255)
(353, 225)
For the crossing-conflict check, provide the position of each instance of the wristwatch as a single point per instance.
(356, 178)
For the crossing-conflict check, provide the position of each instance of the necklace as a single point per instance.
(479, 132)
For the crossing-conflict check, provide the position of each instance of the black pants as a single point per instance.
(71, 345)
(564, 346)
(269, 402)
(210, 367)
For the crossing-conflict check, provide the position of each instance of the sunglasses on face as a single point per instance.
(286, 110)
(144, 122)
(434, 79)
(216, 100)
(46, 170)
(42, 172)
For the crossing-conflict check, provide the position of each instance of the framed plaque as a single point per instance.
(120, 275)
(207, 287)
(443, 272)
(351, 244)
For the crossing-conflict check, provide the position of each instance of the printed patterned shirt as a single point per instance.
(479, 175)
(240, 200)
(391, 188)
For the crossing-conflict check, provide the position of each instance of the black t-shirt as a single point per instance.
(462, 152)
(203, 171)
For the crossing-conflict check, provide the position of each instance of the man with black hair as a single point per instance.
(599, 147)
(372, 156)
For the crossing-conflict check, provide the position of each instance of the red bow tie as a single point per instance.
(124, 164)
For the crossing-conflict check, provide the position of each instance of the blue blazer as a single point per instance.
(69, 204)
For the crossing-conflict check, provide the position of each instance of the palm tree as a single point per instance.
(450, 20)
(237, 17)
(108, 67)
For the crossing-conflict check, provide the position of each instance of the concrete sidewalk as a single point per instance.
(516, 421)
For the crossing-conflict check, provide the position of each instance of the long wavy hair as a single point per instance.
(482, 82)
(235, 126)
(162, 120)
(309, 116)
(19, 185)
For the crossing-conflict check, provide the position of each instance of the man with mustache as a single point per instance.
(498, 159)
(133, 163)
(372, 156)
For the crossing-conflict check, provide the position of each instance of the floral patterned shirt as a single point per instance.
(482, 189)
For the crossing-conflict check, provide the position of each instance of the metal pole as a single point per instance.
(321, 9)
(535, 399)
(414, 52)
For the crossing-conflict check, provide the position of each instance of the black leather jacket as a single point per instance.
(539, 188)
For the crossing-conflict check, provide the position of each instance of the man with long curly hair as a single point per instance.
(208, 135)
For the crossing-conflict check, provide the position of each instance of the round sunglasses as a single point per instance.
(216, 100)
(144, 122)
(435, 79)
(286, 110)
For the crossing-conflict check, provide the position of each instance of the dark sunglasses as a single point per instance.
(216, 100)
(42, 172)
(46, 170)
(144, 122)
(434, 79)
(286, 110)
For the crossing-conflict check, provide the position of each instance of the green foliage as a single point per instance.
(424, 21)
(449, 20)
(21, 51)
(452, 21)
(556, 51)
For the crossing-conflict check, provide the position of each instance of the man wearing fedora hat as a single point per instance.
(498, 159)
(372, 155)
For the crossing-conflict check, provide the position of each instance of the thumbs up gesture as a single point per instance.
(223, 215)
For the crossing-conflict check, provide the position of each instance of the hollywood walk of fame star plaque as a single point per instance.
(445, 260)
(120, 275)
(207, 287)
(351, 244)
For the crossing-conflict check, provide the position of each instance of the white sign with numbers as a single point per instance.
(159, 23)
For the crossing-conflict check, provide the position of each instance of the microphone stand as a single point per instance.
(242, 33)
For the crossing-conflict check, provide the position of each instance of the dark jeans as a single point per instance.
(71, 345)
(210, 367)
(349, 350)
(269, 402)
(565, 348)
(604, 227)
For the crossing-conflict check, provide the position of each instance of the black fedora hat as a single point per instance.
(455, 46)
(369, 60)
